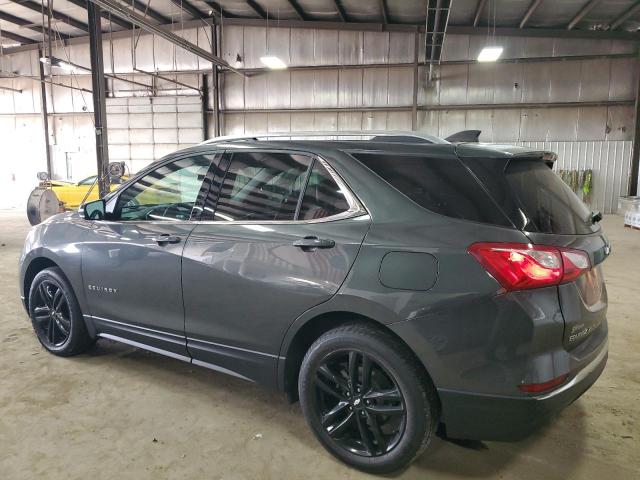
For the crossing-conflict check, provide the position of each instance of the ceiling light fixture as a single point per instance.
(272, 62)
(490, 54)
(66, 66)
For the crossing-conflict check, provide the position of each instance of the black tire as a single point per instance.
(379, 449)
(55, 314)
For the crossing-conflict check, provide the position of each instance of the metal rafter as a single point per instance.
(479, 9)
(217, 9)
(530, 10)
(189, 8)
(299, 11)
(340, 9)
(625, 16)
(37, 7)
(132, 16)
(21, 22)
(16, 38)
(582, 12)
(255, 6)
(150, 12)
(105, 15)
(384, 12)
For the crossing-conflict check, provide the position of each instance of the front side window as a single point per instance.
(167, 193)
(261, 186)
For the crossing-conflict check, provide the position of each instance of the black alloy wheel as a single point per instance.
(55, 314)
(52, 316)
(366, 398)
(359, 403)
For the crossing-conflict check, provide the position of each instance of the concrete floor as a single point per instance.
(119, 411)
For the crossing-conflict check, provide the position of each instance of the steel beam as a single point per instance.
(218, 10)
(582, 12)
(479, 9)
(45, 113)
(530, 10)
(99, 97)
(256, 7)
(340, 9)
(21, 22)
(414, 106)
(635, 155)
(384, 13)
(83, 4)
(545, 32)
(625, 16)
(215, 70)
(16, 38)
(37, 7)
(150, 12)
(189, 8)
(405, 108)
(135, 18)
(302, 15)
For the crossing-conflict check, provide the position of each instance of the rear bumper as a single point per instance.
(502, 418)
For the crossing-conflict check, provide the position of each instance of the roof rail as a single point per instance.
(330, 135)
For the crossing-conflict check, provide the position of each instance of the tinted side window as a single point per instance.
(322, 197)
(167, 193)
(441, 185)
(261, 186)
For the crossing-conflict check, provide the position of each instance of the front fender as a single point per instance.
(57, 241)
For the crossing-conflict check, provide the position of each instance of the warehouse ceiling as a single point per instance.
(26, 21)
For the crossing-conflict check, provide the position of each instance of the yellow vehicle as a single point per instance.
(71, 195)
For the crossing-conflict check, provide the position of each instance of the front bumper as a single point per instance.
(489, 417)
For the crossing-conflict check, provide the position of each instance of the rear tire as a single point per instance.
(55, 314)
(367, 399)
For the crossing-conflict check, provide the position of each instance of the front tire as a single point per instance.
(55, 314)
(367, 399)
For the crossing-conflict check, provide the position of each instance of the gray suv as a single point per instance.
(395, 285)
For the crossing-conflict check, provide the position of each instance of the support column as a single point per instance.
(45, 113)
(204, 93)
(635, 156)
(98, 83)
(414, 108)
(215, 81)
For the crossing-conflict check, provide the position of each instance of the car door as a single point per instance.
(131, 262)
(278, 235)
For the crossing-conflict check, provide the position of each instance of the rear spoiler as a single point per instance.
(465, 136)
(547, 157)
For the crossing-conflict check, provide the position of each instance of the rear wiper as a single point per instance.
(595, 217)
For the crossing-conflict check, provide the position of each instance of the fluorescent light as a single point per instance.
(273, 63)
(490, 54)
(56, 62)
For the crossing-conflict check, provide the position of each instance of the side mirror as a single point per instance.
(94, 210)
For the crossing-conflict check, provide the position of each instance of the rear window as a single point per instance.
(441, 185)
(546, 201)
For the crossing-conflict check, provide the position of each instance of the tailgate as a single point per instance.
(584, 301)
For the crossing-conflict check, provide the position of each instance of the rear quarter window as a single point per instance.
(440, 185)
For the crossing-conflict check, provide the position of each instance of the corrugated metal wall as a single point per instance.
(338, 80)
(610, 162)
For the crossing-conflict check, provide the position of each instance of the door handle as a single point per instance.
(165, 239)
(309, 244)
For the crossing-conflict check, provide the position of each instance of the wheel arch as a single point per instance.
(309, 331)
(36, 265)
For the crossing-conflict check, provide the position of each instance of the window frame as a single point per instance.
(355, 209)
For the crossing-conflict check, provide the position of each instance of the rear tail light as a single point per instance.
(520, 266)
